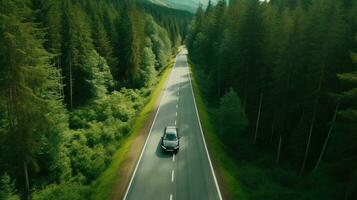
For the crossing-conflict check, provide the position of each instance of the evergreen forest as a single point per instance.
(73, 76)
(284, 74)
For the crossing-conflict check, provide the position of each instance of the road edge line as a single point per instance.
(147, 138)
(203, 137)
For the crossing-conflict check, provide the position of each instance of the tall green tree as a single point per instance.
(34, 115)
(281, 57)
(343, 133)
(130, 40)
(77, 43)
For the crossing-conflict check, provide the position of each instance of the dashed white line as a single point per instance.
(176, 114)
(173, 157)
(170, 196)
(147, 138)
(172, 175)
(176, 106)
(175, 122)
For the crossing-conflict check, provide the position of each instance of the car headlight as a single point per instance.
(176, 147)
(163, 147)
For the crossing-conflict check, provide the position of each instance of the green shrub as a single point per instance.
(7, 189)
(97, 130)
(64, 191)
(231, 118)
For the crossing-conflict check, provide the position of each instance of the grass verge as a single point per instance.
(103, 187)
(225, 168)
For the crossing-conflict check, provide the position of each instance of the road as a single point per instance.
(187, 175)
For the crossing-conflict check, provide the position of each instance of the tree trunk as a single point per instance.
(327, 137)
(258, 117)
(27, 182)
(311, 128)
(219, 82)
(70, 83)
(272, 130)
(306, 151)
(302, 169)
(8, 107)
(60, 80)
(279, 150)
(245, 90)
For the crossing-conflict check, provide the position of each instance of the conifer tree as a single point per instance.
(30, 85)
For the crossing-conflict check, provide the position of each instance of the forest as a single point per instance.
(285, 75)
(73, 76)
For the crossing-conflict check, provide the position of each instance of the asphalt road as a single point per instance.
(187, 175)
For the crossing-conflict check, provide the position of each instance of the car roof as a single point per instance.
(171, 128)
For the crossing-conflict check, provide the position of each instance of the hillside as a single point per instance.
(189, 5)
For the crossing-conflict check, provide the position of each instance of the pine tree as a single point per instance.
(130, 41)
(342, 148)
(325, 47)
(34, 111)
(76, 45)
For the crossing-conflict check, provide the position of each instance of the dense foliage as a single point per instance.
(73, 76)
(175, 21)
(290, 64)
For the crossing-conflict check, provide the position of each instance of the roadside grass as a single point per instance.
(103, 187)
(222, 163)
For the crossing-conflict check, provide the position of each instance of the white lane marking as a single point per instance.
(203, 137)
(176, 114)
(147, 139)
(173, 157)
(175, 122)
(178, 93)
(170, 196)
(172, 175)
(176, 106)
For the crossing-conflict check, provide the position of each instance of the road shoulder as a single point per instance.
(113, 182)
(221, 163)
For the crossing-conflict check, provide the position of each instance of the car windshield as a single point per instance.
(170, 136)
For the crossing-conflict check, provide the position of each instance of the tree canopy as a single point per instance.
(73, 76)
(289, 63)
